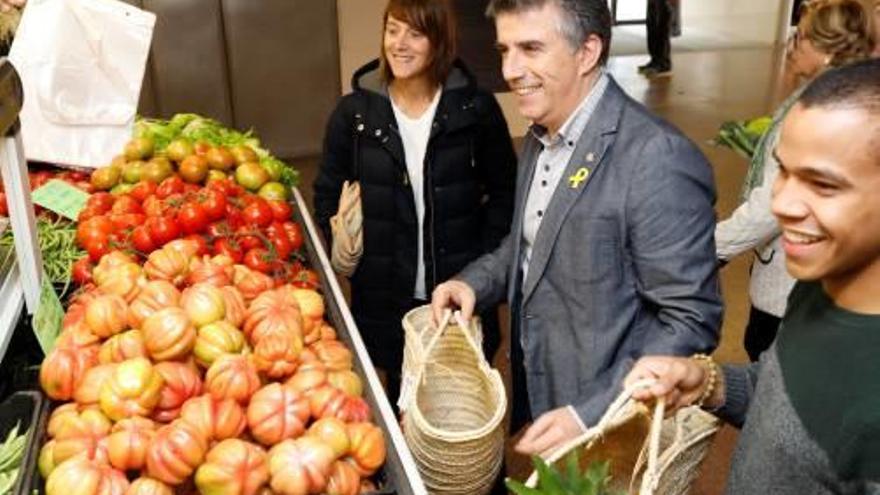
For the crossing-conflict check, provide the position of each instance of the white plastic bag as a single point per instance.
(81, 63)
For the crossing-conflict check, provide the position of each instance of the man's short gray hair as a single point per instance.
(580, 19)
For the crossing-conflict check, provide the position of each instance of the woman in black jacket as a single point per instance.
(436, 168)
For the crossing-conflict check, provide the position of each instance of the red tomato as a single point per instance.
(258, 213)
(202, 148)
(141, 240)
(143, 190)
(281, 210)
(214, 203)
(306, 279)
(192, 218)
(234, 217)
(191, 188)
(169, 186)
(229, 248)
(294, 235)
(201, 242)
(258, 259)
(81, 272)
(101, 201)
(153, 206)
(97, 248)
(126, 204)
(4, 208)
(281, 245)
(87, 213)
(247, 238)
(98, 227)
(127, 220)
(163, 229)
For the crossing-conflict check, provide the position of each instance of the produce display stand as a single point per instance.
(401, 474)
(19, 291)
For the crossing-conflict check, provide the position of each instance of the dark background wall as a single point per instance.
(476, 43)
(269, 65)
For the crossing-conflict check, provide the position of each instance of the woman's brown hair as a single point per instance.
(839, 28)
(434, 19)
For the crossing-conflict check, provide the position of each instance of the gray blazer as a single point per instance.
(623, 265)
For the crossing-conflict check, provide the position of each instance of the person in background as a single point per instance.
(436, 167)
(658, 24)
(611, 254)
(831, 33)
(810, 408)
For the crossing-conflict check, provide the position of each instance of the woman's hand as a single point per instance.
(681, 381)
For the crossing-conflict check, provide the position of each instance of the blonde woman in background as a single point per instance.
(830, 33)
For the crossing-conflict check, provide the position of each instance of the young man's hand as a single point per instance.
(680, 380)
(8, 5)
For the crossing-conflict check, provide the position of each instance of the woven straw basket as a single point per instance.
(454, 404)
(648, 454)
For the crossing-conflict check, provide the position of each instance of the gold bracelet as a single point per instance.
(713, 377)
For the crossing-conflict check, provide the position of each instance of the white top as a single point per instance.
(552, 162)
(415, 134)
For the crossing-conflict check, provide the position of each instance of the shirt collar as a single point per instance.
(574, 126)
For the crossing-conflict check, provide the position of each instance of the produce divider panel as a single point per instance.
(400, 471)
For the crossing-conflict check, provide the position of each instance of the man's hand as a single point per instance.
(549, 432)
(450, 294)
(8, 5)
(680, 380)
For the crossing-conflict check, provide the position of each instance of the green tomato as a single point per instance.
(132, 172)
(215, 175)
(122, 188)
(105, 178)
(251, 175)
(274, 167)
(273, 191)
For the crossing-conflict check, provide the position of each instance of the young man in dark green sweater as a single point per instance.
(810, 408)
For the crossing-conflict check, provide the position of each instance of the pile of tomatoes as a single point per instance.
(222, 217)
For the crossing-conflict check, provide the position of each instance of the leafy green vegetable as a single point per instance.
(196, 128)
(569, 481)
(743, 136)
(11, 455)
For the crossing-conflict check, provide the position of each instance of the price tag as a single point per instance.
(61, 197)
(47, 318)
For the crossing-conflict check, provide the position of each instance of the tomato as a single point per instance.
(258, 213)
(97, 248)
(192, 218)
(281, 210)
(234, 217)
(281, 245)
(126, 221)
(214, 203)
(258, 259)
(101, 201)
(229, 248)
(247, 238)
(306, 279)
(294, 235)
(169, 186)
(4, 208)
(142, 241)
(202, 148)
(126, 204)
(81, 272)
(95, 228)
(143, 190)
(200, 242)
(87, 213)
(163, 229)
(220, 158)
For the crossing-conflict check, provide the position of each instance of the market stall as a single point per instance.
(118, 367)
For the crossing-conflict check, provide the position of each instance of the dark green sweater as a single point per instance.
(810, 408)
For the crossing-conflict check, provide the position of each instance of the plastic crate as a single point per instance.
(30, 410)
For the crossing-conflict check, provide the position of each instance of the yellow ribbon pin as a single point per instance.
(578, 177)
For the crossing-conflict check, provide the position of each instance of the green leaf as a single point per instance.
(549, 479)
(520, 489)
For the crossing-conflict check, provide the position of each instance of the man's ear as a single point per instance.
(589, 54)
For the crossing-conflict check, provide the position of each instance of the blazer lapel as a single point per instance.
(587, 158)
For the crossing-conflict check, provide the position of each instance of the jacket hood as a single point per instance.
(369, 78)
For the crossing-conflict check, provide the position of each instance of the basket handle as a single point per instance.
(444, 324)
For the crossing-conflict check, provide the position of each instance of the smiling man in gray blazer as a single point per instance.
(611, 255)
